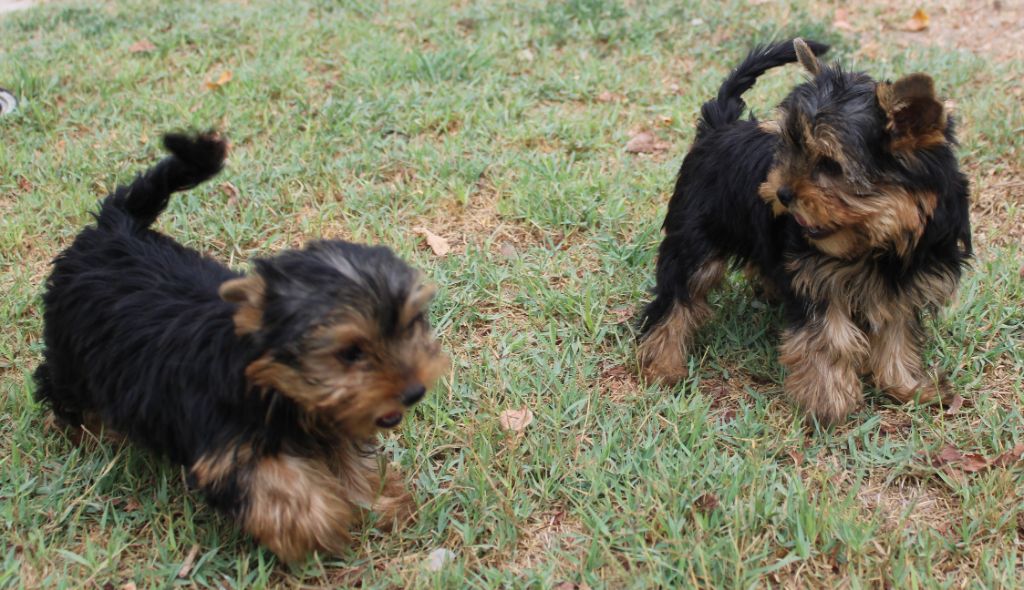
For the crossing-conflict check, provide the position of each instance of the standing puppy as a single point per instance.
(268, 388)
(851, 208)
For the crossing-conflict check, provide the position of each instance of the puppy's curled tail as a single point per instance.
(193, 159)
(728, 106)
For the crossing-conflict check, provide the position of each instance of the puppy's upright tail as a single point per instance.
(728, 105)
(193, 159)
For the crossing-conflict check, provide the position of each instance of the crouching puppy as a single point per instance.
(269, 387)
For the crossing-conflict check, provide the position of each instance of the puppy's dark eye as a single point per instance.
(350, 354)
(829, 167)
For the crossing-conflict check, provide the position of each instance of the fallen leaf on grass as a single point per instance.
(24, 184)
(706, 502)
(973, 463)
(842, 20)
(190, 560)
(954, 404)
(623, 314)
(610, 97)
(438, 244)
(132, 505)
(515, 420)
(949, 456)
(646, 142)
(615, 372)
(437, 559)
(224, 78)
(129, 586)
(231, 192)
(1009, 457)
(918, 22)
(141, 46)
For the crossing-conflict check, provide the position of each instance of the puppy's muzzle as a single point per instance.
(412, 394)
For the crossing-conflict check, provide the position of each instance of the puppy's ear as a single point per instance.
(806, 57)
(418, 300)
(916, 119)
(248, 294)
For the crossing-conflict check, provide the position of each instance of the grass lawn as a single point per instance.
(501, 126)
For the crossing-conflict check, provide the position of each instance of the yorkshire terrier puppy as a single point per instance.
(267, 387)
(849, 206)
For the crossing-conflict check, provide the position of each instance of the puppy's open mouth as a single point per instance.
(389, 420)
(815, 232)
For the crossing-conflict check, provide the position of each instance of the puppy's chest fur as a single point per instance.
(866, 292)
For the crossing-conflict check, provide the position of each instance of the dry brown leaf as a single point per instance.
(230, 191)
(623, 314)
(438, 244)
(610, 97)
(224, 78)
(954, 404)
(515, 420)
(842, 20)
(142, 46)
(129, 586)
(796, 456)
(615, 372)
(1009, 457)
(918, 22)
(706, 502)
(973, 462)
(646, 142)
(132, 505)
(948, 454)
(190, 560)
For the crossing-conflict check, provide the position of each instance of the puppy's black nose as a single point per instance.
(785, 195)
(413, 394)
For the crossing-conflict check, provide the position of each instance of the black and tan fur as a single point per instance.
(851, 208)
(269, 387)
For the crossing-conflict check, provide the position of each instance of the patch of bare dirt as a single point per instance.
(549, 533)
(906, 504)
(996, 203)
(990, 28)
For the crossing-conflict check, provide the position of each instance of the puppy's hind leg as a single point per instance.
(52, 391)
(685, 274)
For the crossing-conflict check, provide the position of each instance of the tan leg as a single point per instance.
(374, 487)
(896, 365)
(297, 505)
(663, 351)
(393, 504)
(823, 359)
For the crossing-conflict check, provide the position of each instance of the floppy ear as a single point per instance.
(417, 302)
(806, 57)
(247, 293)
(916, 119)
